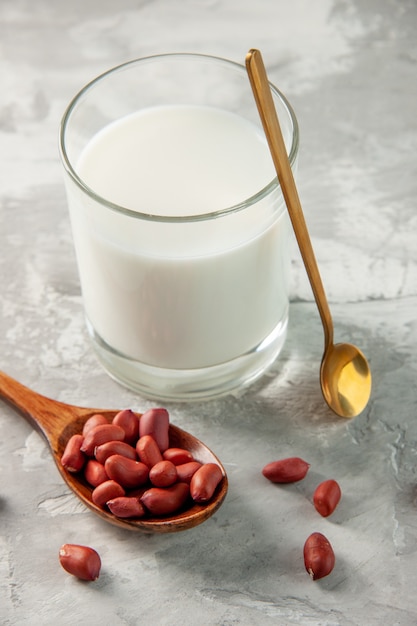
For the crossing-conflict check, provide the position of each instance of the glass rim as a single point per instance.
(240, 206)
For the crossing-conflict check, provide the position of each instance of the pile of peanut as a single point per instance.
(131, 468)
(319, 557)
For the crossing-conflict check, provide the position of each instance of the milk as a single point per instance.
(186, 293)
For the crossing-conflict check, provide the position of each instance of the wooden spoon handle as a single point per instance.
(267, 112)
(48, 416)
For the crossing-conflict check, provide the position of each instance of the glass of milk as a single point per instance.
(179, 225)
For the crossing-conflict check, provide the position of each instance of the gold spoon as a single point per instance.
(344, 374)
(57, 421)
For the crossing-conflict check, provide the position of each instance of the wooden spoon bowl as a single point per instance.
(58, 421)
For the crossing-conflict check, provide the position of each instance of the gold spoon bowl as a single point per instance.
(345, 379)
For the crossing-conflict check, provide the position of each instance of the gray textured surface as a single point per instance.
(349, 67)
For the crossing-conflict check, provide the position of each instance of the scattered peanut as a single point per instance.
(288, 470)
(80, 561)
(326, 497)
(319, 558)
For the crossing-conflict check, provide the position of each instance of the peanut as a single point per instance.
(165, 501)
(155, 422)
(163, 474)
(148, 450)
(288, 470)
(326, 497)
(126, 506)
(204, 482)
(73, 459)
(319, 558)
(95, 420)
(178, 456)
(80, 561)
(130, 424)
(94, 473)
(101, 434)
(107, 491)
(186, 471)
(105, 450)
(126, 472)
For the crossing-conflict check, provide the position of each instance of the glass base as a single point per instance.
(191, 384)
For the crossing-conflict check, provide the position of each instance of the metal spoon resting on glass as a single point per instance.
(58, 421)
(344, 374)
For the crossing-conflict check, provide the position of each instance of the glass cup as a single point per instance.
(179, 224)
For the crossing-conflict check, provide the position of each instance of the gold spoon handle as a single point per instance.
(263, 97)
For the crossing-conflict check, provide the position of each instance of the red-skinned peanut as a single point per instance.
(204, 482)
(148, 450)
(95, 420)
(101, 434)
(130, 424)
(165, 501)
(107, 491)
(163, 474)
(126, 506)
(73, 459)
(326, 497)
(126, 472)
(319, 558)
(80, 561)
(109, 448)
(289, 470)
(155, 422)
(94, 473)
(177, 456)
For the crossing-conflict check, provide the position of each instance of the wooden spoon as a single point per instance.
(57, 421)
(345, 375)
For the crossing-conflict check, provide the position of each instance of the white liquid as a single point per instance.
(180, 295)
